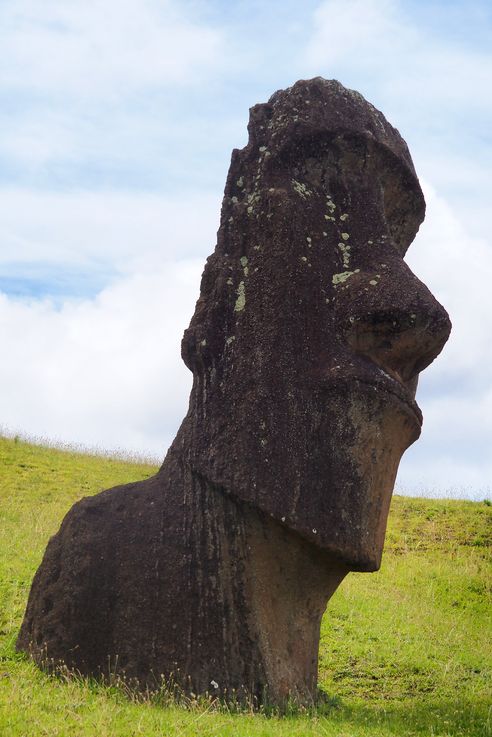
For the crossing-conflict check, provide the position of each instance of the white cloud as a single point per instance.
(341, 28)
(122, 232)
(406, 60)
(99, 93)
(104, 372)
(33, 141)
(445, 475)
(107, 370)
(102, 48)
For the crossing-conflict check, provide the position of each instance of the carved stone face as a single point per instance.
(311, 331)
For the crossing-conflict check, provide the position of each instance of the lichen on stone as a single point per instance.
(252, 200)
(241, 298)
(345, 249)
(343, 276)
(244, 263)
(330, 204)
(301, 189)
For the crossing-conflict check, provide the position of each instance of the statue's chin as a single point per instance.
(381, 425)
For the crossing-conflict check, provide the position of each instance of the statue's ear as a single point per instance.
(194, 346)
(204, 340)
(194, 343)
(188, 348)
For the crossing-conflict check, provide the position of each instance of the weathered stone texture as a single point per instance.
(305, 347)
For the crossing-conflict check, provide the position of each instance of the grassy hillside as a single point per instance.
(405, 651)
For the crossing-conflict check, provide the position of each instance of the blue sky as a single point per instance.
(117, 121)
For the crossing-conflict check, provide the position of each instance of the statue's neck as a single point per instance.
(274, 589)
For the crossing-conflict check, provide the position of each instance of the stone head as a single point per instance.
(311, 331)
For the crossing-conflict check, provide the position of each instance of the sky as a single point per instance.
(117, 121)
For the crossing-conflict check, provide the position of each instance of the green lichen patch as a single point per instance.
(252, 200)
(343, 276)
(241, 298)
(345, 249)
(301, 189)
(244, 263)
(330, 204)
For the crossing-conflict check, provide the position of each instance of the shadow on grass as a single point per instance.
(460, 718)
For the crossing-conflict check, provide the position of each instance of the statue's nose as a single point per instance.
(393, 319)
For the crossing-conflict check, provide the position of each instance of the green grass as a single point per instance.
(405, 651)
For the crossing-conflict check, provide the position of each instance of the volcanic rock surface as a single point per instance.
(306, 344)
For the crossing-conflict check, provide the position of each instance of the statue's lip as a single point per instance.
(393, 386)
(379, 380)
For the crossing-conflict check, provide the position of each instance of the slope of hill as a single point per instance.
(405, 651)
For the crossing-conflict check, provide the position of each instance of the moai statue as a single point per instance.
(306, 345)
